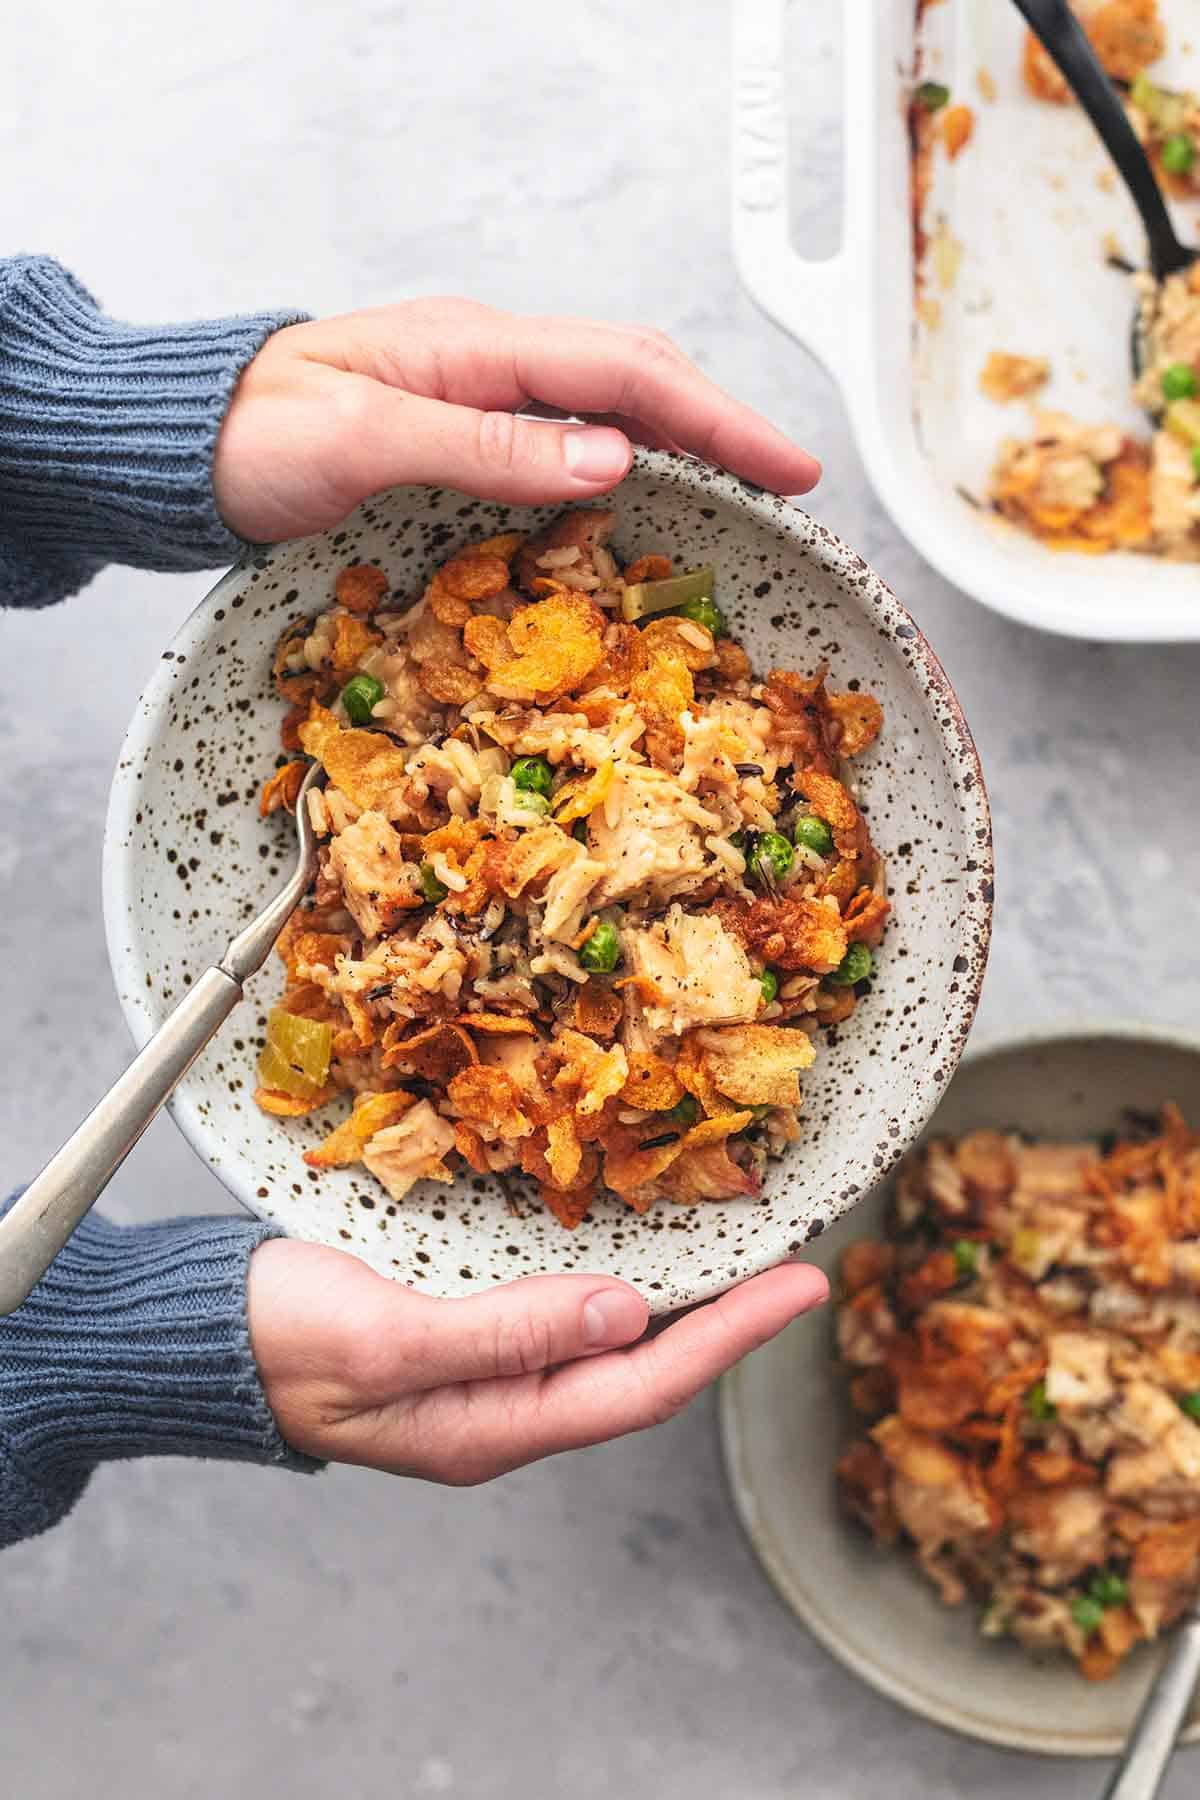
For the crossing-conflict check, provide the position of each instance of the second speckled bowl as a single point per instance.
(186, 859)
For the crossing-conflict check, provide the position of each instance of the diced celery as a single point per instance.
(1026, 1250)
(1183, 419)
(1165, 110)
(276, 1072)
(1145, 94)
(646, 597)
(296, 1058)
(996, 1618)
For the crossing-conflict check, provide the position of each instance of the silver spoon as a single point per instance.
(1143, 1764)
(36, 1226)
(1065, 42)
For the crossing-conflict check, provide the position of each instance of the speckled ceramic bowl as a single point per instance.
(187, 859)
(784, 1417)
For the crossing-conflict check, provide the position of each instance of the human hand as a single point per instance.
(359, 1369)
(330, 412)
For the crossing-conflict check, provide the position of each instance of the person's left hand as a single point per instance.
(427, 391)
(359, 1369)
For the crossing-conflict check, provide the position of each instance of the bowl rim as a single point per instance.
(960, 1721)
(859, 586)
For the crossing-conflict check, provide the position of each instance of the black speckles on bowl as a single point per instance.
(187, 860)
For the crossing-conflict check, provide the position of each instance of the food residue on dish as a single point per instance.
(1127, 36)
(1025, 1342)
(933, 120)
(1075, 485)
(588, 887)
(1094, 488)
(1007, 376)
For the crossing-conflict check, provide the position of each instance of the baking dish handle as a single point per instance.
(806, 297)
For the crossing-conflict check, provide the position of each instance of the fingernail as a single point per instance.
(611, 1317)
(816, 1284)
(597, 454)
(808, 481)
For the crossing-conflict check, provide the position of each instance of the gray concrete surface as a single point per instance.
(593, 1626)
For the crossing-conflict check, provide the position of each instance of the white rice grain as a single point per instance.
(318, 813)
(448, 876)
(554, 960)
(726, 853)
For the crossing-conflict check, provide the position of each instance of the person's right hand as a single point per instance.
(359, 1369)
(427, 391)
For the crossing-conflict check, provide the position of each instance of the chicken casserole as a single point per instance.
(588, 889)
(1024, 1344)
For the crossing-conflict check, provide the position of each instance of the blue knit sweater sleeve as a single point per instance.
(107, 433)
(135, 1342)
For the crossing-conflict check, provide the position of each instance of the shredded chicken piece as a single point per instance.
(694, 972)
(378, 886)
(412, 1150)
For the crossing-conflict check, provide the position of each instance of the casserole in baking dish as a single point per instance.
(1032, 205)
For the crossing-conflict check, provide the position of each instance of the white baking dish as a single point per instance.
(1030, 201)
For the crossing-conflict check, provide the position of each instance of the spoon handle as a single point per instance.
(1139, 1774)
(38, 1224)
(1065, 43)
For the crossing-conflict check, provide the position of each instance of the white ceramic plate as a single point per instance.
(784, 1418)
(1025, 201)
(187, 858)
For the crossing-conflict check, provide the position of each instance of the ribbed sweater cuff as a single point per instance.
(107, 433)
(134, 1343)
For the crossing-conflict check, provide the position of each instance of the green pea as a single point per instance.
(1108, 1588)
(1086, 1613)
(431, 887)
(532, 775)
(685, 1111)
(1178, 153)
(533, 803)
(768, 981)
(770, 859)
(1039, 1407)
(602, 952)
(1190, 1404)
(703, 611)
(966, 1257)
(932, 95)
(814, 834)
(1195, 456)
(360, 696)
(854, 967)
(1178, 381)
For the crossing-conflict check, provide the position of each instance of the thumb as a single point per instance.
(518, 1329)
(494, 455)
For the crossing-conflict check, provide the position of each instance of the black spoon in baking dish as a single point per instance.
(1065, 43)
